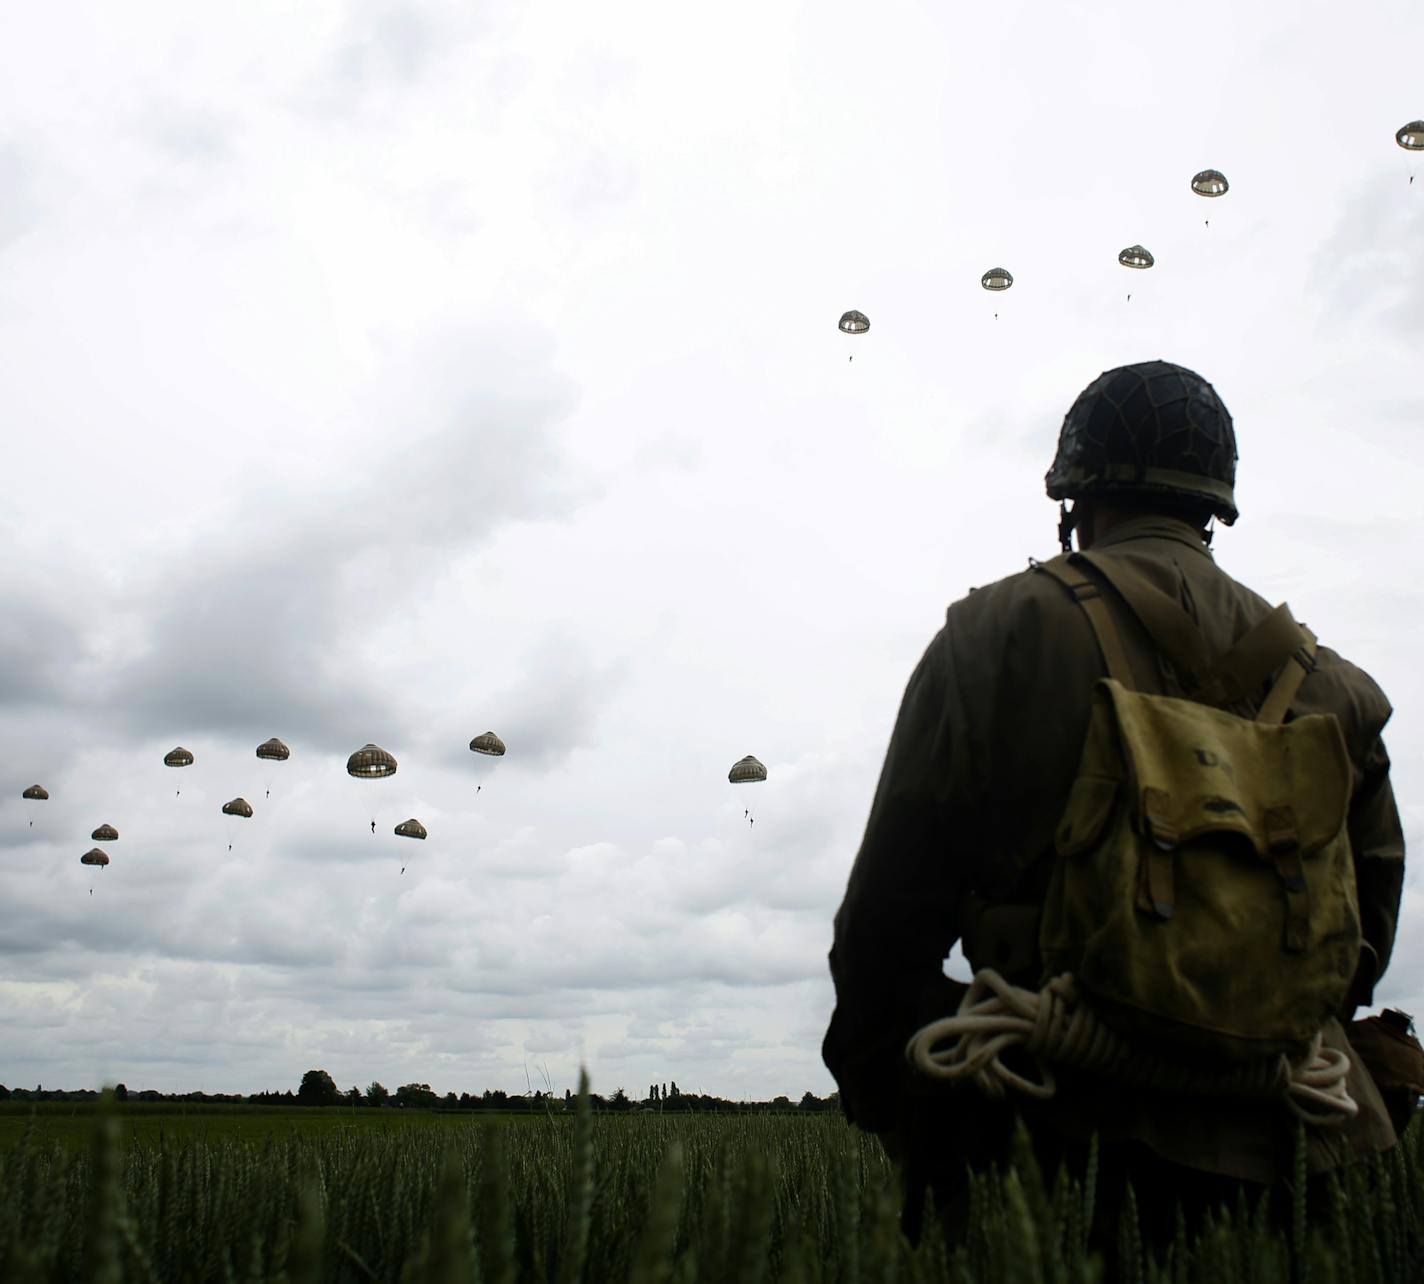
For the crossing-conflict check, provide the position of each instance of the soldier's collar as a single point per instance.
(1154, 526)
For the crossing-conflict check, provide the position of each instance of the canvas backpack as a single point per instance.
(1203, 889)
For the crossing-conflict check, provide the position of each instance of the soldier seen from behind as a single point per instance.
(1159, 819)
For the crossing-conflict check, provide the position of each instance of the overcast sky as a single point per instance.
(398, 372)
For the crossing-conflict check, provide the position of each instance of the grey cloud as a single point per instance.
(187, 132)
(551, 710)
(259, 627)
(41, 646)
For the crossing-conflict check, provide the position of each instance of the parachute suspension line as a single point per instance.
(1054, 1025)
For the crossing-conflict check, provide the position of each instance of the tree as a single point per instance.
(377, 1094)
(411, 1095)
(353, 1096)
(121, 1092)
(318, 1089)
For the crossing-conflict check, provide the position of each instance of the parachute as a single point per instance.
(272, 752)
(38, 793)
(1135, 256)
(411, 828)
(1210, 182)
(238, 808)
(94, 856)
(105, 834)
(370, 762)
(997, 279)
(854, 322)
(491, 749)
(1411, 138)
(745, 771)
(177, 757)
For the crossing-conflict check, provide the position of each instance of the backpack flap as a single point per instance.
(1196, 771)
(1204, 891)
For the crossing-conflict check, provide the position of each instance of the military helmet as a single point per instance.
(1149, 428)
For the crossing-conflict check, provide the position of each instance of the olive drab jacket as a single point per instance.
(976, 777)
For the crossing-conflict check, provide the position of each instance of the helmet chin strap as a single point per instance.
(1066, 522)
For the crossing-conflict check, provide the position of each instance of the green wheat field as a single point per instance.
(304, 1195)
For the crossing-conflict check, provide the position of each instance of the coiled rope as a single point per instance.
(1054, 1027)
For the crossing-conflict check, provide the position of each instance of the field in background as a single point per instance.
(648, 1199)
(71, 1124)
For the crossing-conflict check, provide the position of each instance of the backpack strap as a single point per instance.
(1174, 632)
(1089, 596)
(1302, 661)
(1252, 659)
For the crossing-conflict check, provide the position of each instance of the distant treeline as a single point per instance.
(318, 1089)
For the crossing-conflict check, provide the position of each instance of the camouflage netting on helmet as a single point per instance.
(1148, 429)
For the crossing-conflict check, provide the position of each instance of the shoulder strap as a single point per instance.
(1302, 661)
(1089, 596)
(1169, 626)
(1254, 657)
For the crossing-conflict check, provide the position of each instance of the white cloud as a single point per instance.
(401, 372)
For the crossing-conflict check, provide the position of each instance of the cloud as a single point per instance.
(19, 208)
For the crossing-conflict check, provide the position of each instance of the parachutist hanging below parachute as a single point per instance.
(411, 828)
(1411, 138)
(272, 752)
(177, 757)
(1135, 256)
(37, 793)
(1210, 183)
(997, 280)
(747, 770)
(371, 762)
(854, 322)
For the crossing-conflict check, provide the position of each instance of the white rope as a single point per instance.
(1052, 1026)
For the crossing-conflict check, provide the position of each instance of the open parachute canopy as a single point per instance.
(1136, 257)
(1210, 182)
(488, 743)
(746, 770)
(273, 750)
(94, 856)
(238, 807)
(997, 279)
(1411, 136)
(36, 791)
(370, 762)
(178, 757)
(854, 322)
(105, 834)
(411, 828)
